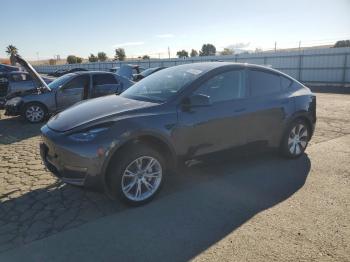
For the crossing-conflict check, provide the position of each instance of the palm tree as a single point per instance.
(11, 50)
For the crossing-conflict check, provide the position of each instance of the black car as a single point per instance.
(147, 72)
(8, 68)
(128, 142)
(61, 72)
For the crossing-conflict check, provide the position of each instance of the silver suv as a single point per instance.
(46, 99)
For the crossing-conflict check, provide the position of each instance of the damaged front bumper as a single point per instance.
(13, 107)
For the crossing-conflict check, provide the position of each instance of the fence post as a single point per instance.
(300, 66)
(344, 68)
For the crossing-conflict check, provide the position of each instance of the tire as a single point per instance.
(134, 183)
(34, 113)
(295, 139)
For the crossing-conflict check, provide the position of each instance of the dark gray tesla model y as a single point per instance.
(126, 143)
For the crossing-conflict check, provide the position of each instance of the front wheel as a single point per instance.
(295, 139)
(34, 113)
(137, 176)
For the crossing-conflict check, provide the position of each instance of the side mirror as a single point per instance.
(197, 100)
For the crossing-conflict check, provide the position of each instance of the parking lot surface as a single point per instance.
(259, 207)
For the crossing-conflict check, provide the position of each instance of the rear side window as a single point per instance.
(225, 86)
(285, 82)
(263, 83)
(104, 79)
(20, 77)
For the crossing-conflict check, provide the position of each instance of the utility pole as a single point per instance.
(299, 45)
(275, 46)
(169, 52)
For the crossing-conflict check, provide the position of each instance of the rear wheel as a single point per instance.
(34, 112)
(296, 139)
(137, 176)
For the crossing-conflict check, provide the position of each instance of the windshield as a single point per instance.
(60, 81)
(164, 84)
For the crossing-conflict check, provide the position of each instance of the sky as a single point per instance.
(41, 29)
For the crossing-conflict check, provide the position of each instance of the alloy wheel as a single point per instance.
(34, 113)
(298, 138)
(141, 178)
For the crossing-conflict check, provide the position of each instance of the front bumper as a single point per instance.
(13, 108)
(68, 163)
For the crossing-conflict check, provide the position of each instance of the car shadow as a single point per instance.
(16, 129)
(197, 207)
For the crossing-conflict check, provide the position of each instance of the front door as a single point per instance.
(220, 125)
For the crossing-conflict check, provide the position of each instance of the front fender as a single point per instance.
(128, 137)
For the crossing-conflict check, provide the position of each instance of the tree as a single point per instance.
(227, 51)
(120, 54)
(92, 58)
(79, 60)
(194, 53)
(102, 56)
(52, 61)
(208, 50)
(146, 57)
(182, 54)
(342, 43)
(71, 59)
(11, 50)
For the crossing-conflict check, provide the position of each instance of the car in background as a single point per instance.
(147, 72)
(127, 70)
(61, 72)
(15, 82)
(8, 68)
(46, 99)
(128, 142)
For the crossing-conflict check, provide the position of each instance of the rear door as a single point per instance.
(220, 125)
(73, 91)
(268, 105)
(105, 84)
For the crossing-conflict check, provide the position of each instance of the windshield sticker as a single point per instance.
(194, 71)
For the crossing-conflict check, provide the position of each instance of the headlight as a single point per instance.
(14, 101)
(87, 135)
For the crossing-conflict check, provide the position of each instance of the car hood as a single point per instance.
(92, 110)
(39, 82)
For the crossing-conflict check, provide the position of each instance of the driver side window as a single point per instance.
(224, 86)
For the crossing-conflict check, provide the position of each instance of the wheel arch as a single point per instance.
(156, 141)
(303, 115)
(25, 104)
